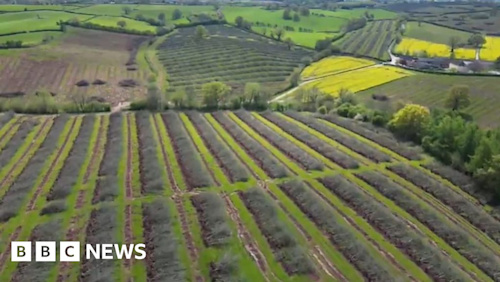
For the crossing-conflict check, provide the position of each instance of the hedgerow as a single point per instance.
(225, 158)
(384, 140)
(163, 262)
(340, 235)
(39, 271)
(194, 172)
(213, 218)
(151, 173)
(425, 255)
(16, 142)
(291, 150)
(69, 173)
(101, 229)
(474, 214)
(263, 158)
(107, 184)
(15, 196)
(452, 234)
(286, 248)
(312, 141)
(348, 141)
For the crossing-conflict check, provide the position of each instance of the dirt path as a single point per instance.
(318, 255)
(193, 251)
(9, 174)
(31, 204)
(245, 237)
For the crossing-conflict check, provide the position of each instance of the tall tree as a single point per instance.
(161, 18)
(201, 32)
(214, 93)
(279, 32)
(239, 21)
(477, 40)
(458, 98)
(121, 24)
(287, 14)
(176, 14)
(410, 122)
(453, 43)
(126, 10)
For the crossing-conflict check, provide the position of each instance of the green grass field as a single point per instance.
(379, 14)
(434, 33)
(130, 24)
(32, 38)
(34, 20)
(430, 90)
(19, 8)
(149, 11)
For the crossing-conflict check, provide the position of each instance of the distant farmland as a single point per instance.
(233, 195)
(81, 55)
(373, 40)
(432, 90)
(229, 55)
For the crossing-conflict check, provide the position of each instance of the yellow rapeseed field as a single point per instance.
(332, 65)
(490, 50)
(358, 80)
(414, 47)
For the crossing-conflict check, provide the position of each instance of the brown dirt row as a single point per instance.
(31, 204)
(9, 174)
(95, 155)
(6, 253)
(245, 237)
(318, 255)
(193, 252)
(128, 232)
(353, 224)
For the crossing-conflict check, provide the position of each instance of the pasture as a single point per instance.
(102, 59)
(35, 20)
(373, 40)
(235, 195)
(229, 55)
(357, 80)
(434, 33)
(32, 38)
(129, 23)
(432, 90)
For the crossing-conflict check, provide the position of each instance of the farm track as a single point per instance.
(31, 204)
(177, 197)
(7, 177)
(246, 237)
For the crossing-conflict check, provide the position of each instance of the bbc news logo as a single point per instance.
(69, 251)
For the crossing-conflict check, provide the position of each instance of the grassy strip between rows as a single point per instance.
(400, 257)
(203, 151)
(8, 131)
(18, 162)
(160, 136)
(72, 198)
(388, 203)
(396, 156)
(29, 220)
(138, 266)
(439, 206)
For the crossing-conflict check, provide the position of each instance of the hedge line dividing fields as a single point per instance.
(408, 223)
(229, 55)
